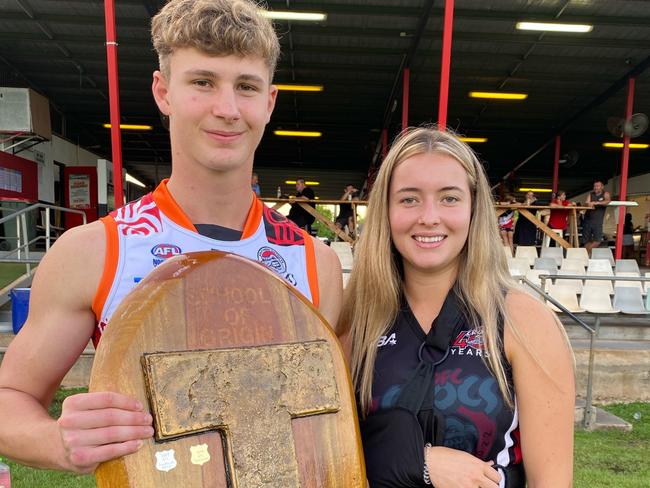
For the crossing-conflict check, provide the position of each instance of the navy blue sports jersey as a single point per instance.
(458, 405)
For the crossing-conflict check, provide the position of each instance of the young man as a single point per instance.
(592, 225)
(216, 63)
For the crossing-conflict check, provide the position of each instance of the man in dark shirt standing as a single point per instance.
(297, 214)
(592, 225)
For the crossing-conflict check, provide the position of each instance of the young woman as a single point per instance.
(507, 223)
(558, 219)
(462, 379)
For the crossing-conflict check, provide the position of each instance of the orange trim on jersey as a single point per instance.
(253, 218)
(312, 274)
(166, 203)
(110, 266)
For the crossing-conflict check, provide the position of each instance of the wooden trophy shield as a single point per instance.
(245, 381)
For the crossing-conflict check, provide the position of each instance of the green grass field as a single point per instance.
(9, 272)
(603, 459)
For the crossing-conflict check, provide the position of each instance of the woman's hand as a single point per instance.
(451, 468)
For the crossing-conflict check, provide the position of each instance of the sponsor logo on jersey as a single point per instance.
(469, 343)
(387, 340)
(164, 251)
(272, 260)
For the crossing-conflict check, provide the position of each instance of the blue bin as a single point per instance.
(19, 307)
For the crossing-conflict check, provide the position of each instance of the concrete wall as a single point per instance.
(59, 150)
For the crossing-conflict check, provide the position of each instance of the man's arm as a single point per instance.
(93, 426)
(330, 282)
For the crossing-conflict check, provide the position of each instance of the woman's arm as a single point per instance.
(543, 372)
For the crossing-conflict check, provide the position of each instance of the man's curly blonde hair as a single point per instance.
(214, 27)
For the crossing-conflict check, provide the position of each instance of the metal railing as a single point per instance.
(589, 415)
(23, 242)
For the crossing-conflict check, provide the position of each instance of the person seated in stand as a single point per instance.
(217, 59)
(559, 219)
(507, 222)
(301, 217)
(346, 212)
(462, 378)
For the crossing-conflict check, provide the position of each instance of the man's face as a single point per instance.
(218, 107)
(254, 180)
(598, 187)
(300, 185)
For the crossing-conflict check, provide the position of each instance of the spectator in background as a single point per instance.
(592, 224)
(297, 214)
(255, 185)
(526, 231)
(628, 238)
(346, 213)
(507, 222)
(558, 220)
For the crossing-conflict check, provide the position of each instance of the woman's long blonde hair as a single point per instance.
(372, 296)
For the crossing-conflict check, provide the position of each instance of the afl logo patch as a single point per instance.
(271, 259)
(164, 251)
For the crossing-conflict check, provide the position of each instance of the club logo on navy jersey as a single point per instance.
(272, 259)
(469, 343)
(164, 251)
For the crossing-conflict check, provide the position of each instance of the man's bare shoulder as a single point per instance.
(76, 259)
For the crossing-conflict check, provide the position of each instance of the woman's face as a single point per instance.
(429, 211)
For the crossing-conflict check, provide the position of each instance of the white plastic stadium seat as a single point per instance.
(647, 283)
(605, 284)
(603, 253)
(628, 300)
(556, 253)
(533, 276)
(575, 284)
(574, 265)
(595, 299)
(518, 266)
(631, 284)
(627, 266)
(547, 264)
(527, 252)
(344, 251)
(579, 253)
(566, 295)
(600, 266)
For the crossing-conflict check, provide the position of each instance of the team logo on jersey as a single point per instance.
(272, 259)
(469, 343)
(164, 251)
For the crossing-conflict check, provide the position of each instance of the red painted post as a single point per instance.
(624, 167)
(556, 163)
(446, 65)
(405, 98)
(384, 143)
(114, 100)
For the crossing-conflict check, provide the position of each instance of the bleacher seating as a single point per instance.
(579, 253)
(556, 253)
(629, 300)
(603, 253)
(591, 295)
(529, 253)
(595, 299)
(566, 295)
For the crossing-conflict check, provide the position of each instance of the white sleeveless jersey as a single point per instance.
(144, 233)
